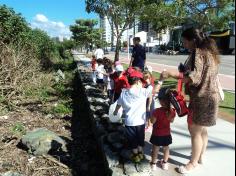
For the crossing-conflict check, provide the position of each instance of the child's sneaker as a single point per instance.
(164, 165)
(153, 166)
(141, 156)
(135, 158)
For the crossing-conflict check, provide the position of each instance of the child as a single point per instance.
(100, 72)
(133, 102)
(108, 66)
(94, 66)
(161, 136)
(120, 81)
(150, 101)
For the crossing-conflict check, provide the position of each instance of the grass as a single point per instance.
(227, 106)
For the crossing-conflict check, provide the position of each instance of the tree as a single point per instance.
(120, 13)
(85, 33)
(208, 14)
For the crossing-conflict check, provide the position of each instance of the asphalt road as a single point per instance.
(227, 65)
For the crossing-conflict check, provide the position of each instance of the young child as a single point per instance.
(100, 74)
(93, 67)
(150, 101)
(120, 81)
(161, 136)
(108, 66)
(133, 102)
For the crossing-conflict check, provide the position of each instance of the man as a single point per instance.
(99, 53)
(138, 58)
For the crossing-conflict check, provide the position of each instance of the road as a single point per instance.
(227, 65)
(169, 62)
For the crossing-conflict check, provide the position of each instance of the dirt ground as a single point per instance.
(13, 158)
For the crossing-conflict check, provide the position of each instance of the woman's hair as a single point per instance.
(93, 56)
(202, 42)
(147, 75)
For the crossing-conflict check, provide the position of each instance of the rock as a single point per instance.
(10, 173)
(111, 157)
(40, 141)
(115, 137)
(117, 145)
(129, 169)
(115, 171)
(125, 154)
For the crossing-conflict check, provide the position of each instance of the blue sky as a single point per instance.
(52, 16)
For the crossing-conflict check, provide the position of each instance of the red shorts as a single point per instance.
(190, 117)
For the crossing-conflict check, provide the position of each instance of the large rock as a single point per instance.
(41, 141)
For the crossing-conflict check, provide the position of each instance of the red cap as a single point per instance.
(136, 74)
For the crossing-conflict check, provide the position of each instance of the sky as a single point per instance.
(52, 16)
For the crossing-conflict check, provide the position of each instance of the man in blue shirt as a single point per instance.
(138, 58)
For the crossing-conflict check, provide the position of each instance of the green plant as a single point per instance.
(62, 109)
(18, 129)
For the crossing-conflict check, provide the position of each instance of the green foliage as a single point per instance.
(62, 109)
(120, 13)
(85, 33)
(13, 27)
(18, 129)
(210, 15)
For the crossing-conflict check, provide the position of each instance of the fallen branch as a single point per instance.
(55, 161)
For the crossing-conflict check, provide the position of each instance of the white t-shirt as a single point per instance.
(100, 69)
(99, 53)
(133, 102)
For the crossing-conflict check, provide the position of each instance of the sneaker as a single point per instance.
(141, 156)
(164, 165)
(153, 166)
(135, 158)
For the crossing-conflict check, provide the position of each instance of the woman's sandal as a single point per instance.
(184, 170)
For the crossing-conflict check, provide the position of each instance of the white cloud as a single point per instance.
(53, 28)
(41, 18)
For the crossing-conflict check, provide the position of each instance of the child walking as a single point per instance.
(161, 136)
(133, 102)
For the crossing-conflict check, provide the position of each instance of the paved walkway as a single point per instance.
(220, 155)
(227, 81)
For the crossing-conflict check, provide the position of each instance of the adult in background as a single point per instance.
(200, 75)
(99, 53)
(138, 58)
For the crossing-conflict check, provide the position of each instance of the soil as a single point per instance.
(82, 156)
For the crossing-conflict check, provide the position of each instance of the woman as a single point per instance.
(200, 74)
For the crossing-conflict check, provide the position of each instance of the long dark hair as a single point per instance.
(203, 42)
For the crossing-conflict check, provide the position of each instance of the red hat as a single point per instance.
(136, 74)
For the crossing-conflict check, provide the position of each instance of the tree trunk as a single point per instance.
(117, 48)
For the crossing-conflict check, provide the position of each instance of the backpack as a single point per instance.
(178, 101)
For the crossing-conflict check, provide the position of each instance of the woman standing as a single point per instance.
(200, 75)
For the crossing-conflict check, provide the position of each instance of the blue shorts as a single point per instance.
(135, 136)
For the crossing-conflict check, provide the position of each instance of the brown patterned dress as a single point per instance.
(203, 92)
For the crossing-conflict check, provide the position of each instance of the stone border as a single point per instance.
(110, 136)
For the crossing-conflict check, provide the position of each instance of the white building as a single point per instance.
(107, 30)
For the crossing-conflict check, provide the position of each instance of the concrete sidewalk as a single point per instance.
(227, 81)
(219, 157)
